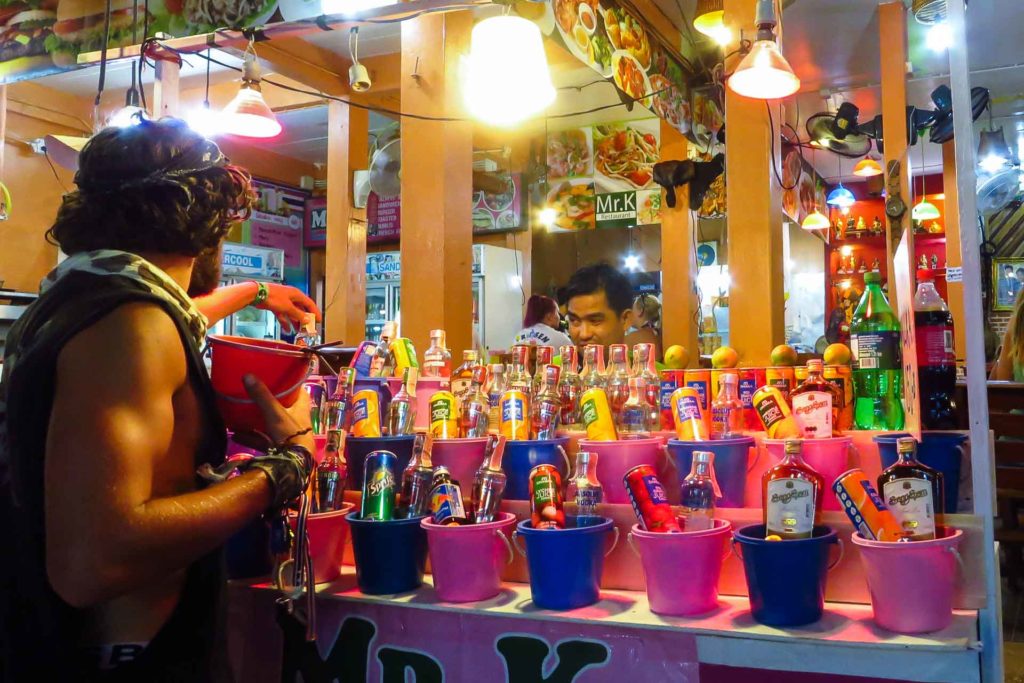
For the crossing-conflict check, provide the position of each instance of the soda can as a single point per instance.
(842, 377)
(782, 377)
(546, 504)
(865, 508)
(446, 506)
(716, 379)
(670, 381)
(366, 414)
(515, 415)
(750, 380)
(687, 417)
(378, 501)
(596, 415)
(650, 503)
(444, 416)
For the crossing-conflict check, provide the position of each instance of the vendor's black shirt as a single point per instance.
(39, 632)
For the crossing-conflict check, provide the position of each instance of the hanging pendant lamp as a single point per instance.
(764, 74)
(248, 114)
(866, 168)
(709, 19)
(841, 197)
(993, 152)
(816, 220)
(924, 210)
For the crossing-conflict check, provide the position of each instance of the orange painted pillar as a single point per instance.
(437, 184)
(892, 28)
(756, 301)
(954, 290)
(345, 289)
(678, 266)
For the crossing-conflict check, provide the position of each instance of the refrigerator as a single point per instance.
(497, 294)
(245, 263)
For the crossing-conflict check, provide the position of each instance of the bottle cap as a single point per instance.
(469, 354)
(496, 369)
(617, 351)
(479, 375)
(925, 275)
(815, 364)
(708, 458)
(906, 444)
(704, 457)
(872, 277)
(545, 354)
(729, 378)
(793, 446)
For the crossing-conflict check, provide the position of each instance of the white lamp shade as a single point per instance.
(249, 116)
(507, 76)
(764, 74)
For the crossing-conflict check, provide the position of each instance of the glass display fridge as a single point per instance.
(245, 263)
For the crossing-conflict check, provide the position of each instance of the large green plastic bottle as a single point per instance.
(877, 364)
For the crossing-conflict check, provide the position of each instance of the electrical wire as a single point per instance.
(103, 61)
(54, 169)
(771, 142)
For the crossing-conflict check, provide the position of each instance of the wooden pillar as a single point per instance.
(892, 28)
(437, 184)
(678, 267)
(756, 303)
(954, 290)
(345, 290)
(165, 89)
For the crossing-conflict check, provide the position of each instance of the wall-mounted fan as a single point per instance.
(838, 133)
(386, 170)
(995, 192)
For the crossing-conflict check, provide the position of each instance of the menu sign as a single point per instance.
(383, 219)
(278, 220)
(602, 176)
(615, 43)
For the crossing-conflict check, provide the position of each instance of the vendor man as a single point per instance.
(600, 306)
(112, 569)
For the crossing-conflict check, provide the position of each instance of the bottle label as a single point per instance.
(588, 496)
(702, 389)
(698, 519)
(441, 411)
(723, 420)
(876, 350)
(667, 389)
(911, 501)
(360, 411)
(813, 413)
(935, 346)
(747, 389)
(688, 408)
(512, 409)
(790, 507)
(460, 387)
(546, 417)
(588, 413)
(770, 412)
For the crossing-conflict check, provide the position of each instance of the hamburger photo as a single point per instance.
(24, 29)
(80, 27)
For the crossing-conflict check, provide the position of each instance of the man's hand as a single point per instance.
(291, 306)
(282, 424)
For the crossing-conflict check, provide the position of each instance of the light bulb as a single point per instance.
(631, 262)
(127, 116)
(939, 37)
(992, 163)
(248, 115)
(204, 121)
(547, 217)
(764, 74)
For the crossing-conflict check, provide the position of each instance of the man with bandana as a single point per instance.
(112, 568)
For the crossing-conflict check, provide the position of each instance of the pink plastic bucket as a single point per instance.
(425, 388)
(327, 533)
(462, 457)
(828, 457)
(466, 561)
(615, 458)
(682, 570)
(912, 584)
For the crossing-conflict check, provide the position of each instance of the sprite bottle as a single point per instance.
(877, 364)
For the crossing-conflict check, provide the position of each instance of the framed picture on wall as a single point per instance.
(1007, 282)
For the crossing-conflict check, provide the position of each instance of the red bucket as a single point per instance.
(283, 367)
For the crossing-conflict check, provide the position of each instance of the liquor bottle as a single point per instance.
(337, 406)
(475, 409)
(495, 390)
(489, 483)
(402, 409)
(592, 374)
(330, 476)
(585, 489)
(437, 360)
(316, 389)
(462, 376)
(727, 410)
(569, 386)
(307, 335)
(617, 378)
(417, 479)
(773, 411)
(699, 492)
(936, 355)
(544, 356)
(792, 493)
(518, 377)
(446, 506)
(816, 403)
(546, 407)
(877, 367)
(913, 491)
(634, 419)
(383, 363)
(647, 370)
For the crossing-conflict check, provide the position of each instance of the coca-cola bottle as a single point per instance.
(936, 357)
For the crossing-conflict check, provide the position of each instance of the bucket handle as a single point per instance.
(842, 551)
(565, 458)
(757, 456)
(959, 560)
(668, 456)
(515, 542)
(734, 549)
(615, 541)
(632, 542)
(507, 544)
(279, 396)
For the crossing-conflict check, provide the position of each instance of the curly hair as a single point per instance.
(152, 187)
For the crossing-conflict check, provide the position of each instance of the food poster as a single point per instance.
(617, 45)
(502, 211)
(601, 176)
(807, 189)
(278, 221)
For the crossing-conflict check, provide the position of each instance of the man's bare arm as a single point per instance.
(288, 304)
(111, 430)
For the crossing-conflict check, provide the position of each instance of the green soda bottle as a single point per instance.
(877, 363)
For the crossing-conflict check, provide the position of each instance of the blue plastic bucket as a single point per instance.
(522, 456)
(565, 564)
(731, 458)
(390, 556)
(786, 579)
(939, 450)
(356, 450)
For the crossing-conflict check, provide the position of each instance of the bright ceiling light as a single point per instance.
(129, 115)
(631, 262)
(939, 37)
(866, 168)
(993, 152)
(507, 75)
(204, 121)
(709, 19)
(764, 74)
(815, 220)
(547, 217)
(841, 197)
(248, 114)
(924, 210)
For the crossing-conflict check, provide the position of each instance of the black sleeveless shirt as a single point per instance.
(39, 632)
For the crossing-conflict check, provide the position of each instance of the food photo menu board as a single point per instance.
(616, 44)
(602, 176)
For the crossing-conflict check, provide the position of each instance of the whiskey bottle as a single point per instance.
(792, 493)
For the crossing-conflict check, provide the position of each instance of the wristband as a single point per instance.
(261, 294)
(287, 469)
